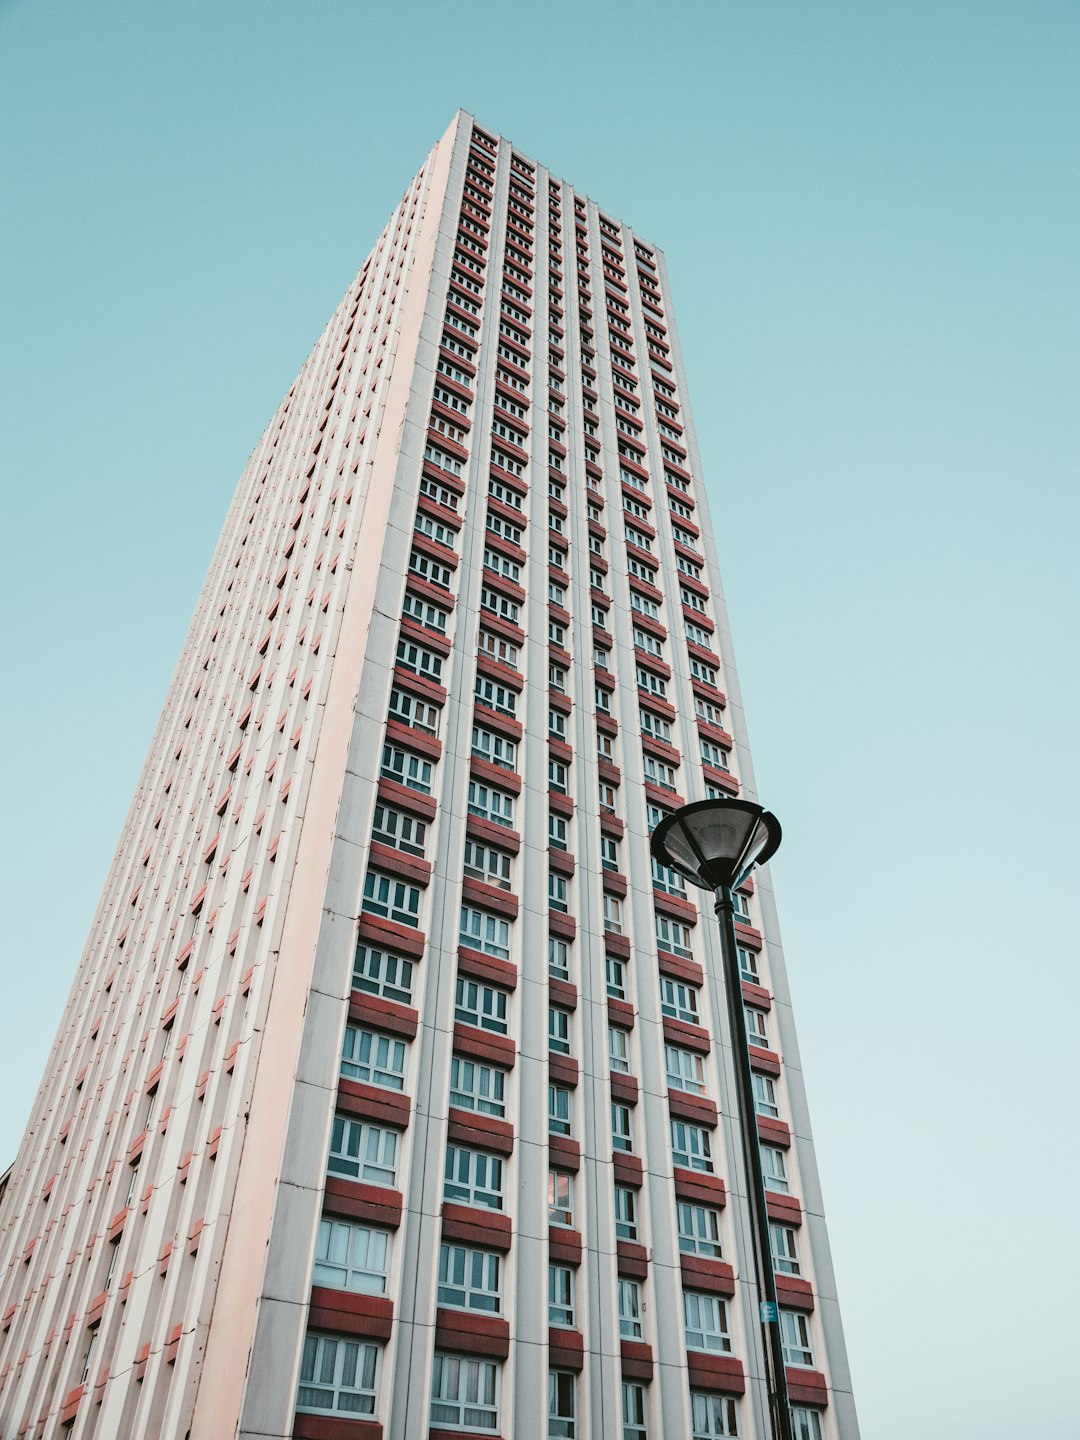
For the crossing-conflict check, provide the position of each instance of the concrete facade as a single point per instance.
(384, 895)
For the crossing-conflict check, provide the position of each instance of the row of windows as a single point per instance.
(340, 1376)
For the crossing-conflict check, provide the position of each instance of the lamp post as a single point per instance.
(715, 844)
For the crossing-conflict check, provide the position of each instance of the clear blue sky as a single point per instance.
(871, 215)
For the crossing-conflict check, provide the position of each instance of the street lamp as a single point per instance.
(715, 844)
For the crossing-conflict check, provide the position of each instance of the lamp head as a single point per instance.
(716, 842)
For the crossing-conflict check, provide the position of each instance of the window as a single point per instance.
(795, 1333)
(508, 569)
(644, 640)
(377, 972)
(605, 748)
(685, 1070)
(469, 1279)
(490, 804)
(375, 1059)
(556, 593)
(392, 899)
(748, 965)
(691, 1147)
(560, 1198)
(648, 680)
(338, 1375)
(556, 634)
(473, 1177)
(561, 1296)
(756, 1027)
(497, 604)
(361, 1151)
(596, 580)
(495, 749)
(630, 1326)
(406, 768)
(626, 1226)
(616, 978)
(351, 1256)
(774, 1168)
(558, 958)
(742, 907)
(558, 892)
(710, 712)
(394, 827)
(482, 1005)
(558, 777)
(504, 529)
(765, 1102)
(561, 1405)
(602, 700)
(633, 1411)
(606, 793)
(715, 755)
(500, 698)
(484, 862)
(706, 1322)
(464, 1393)
(556, 725)
(557, 678)
(558, 1110)
(656, 726)
(679, 1001)
(622, 1128)
(478, 1087)
(411, 710)
(658, 772)
(785, 1251)
(424, 524)
(712, 1417)
(805, 1423)
(558, 1030)
(613, 918)
(609, 852)
(673, 936)
(699, 1230)
(668, 880)
(504, 651)
(425, 614)
(557, 831)
(619, 1050)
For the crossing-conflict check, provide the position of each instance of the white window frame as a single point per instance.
(348, 1376)
(477, 1086)
(470, 1279)
(464, 1393)
(373, 1058)
(362, 1151)
(685, 1070)
(706, 1321)
(699, 1229)
(691, 1147)
(796, 1339)
(351, 1255)
(381, 972)
(474, 1177)
(485, 1006)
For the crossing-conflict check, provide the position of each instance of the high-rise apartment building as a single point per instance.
(394, 1095)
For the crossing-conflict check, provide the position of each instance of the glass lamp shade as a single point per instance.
(716, 842)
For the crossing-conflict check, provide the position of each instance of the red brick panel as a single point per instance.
(698, 1109)
(703, 1189)
(700, 1272)
(351, 1314)
(483, 1045)
(794, 1293)
(361, 1201)
(716, 1372)
(467, 1127)
(807, 1387)
(475, 1225)
(633, 1260)
(330, 1427)
(784, 1208)
(637, 1360)
(374, 1102)
(566, 1349)
(472, 1333)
